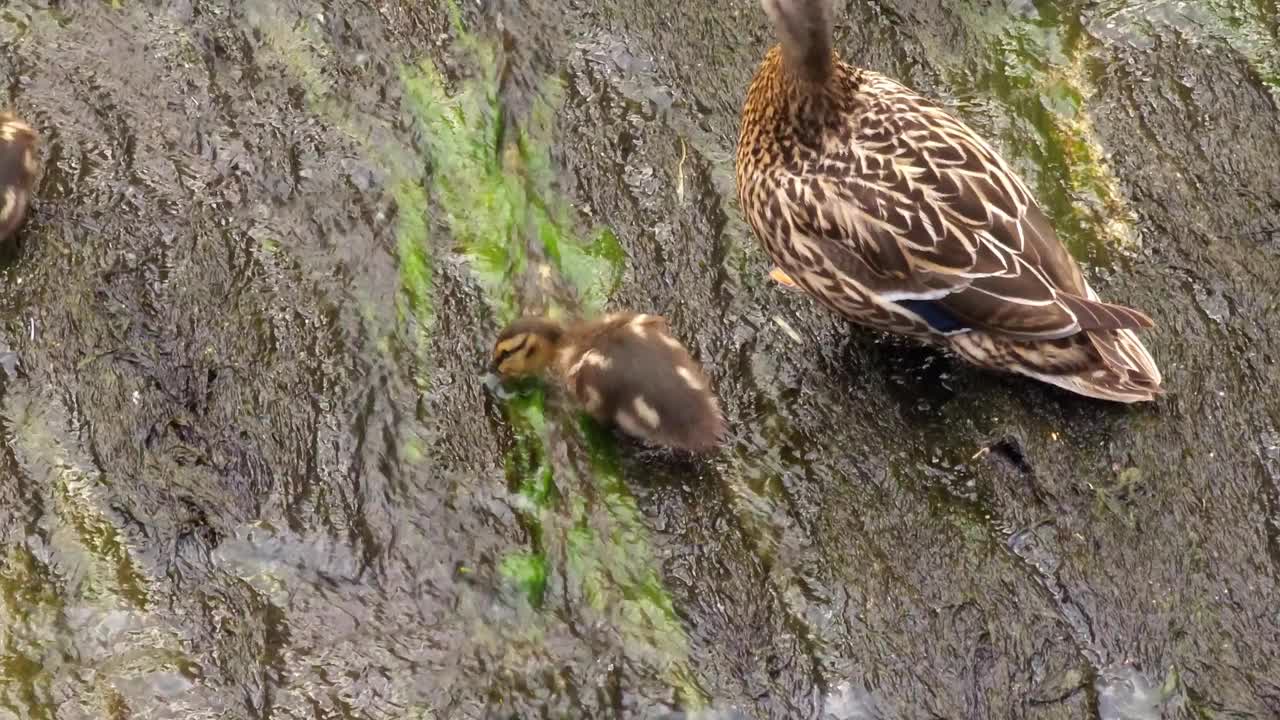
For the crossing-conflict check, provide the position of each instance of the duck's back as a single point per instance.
(903, 214)
(915, 140)
(893, 212)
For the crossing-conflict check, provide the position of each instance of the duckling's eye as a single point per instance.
(510, 348)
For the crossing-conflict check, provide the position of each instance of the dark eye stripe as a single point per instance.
(508, 352)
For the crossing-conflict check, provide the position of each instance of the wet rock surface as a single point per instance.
(233, 487)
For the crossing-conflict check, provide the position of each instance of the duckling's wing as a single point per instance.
(920, 210)
(18, 167)
(636, 374)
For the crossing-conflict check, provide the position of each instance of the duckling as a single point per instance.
(895, 214)
(18, 167)
(624, 369)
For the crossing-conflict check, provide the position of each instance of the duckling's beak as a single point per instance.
(490, 377)
(493, 382)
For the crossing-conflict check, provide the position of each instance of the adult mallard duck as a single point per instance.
(895, 214)
(18, 167)
(624, 369)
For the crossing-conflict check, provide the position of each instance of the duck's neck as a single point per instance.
(778, 85)
(804, 29)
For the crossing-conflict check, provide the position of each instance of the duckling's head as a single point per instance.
(804, 29)
(526, 347)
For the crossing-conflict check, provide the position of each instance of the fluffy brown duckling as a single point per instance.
(624, 369)
(18, 167)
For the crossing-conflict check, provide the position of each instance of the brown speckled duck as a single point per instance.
(18, 167)
(624, 369)
(895, 214)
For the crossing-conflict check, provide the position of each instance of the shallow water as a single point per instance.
(251, 470)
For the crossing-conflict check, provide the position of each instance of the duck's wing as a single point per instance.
(916, 207)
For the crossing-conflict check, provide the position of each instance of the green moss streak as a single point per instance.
(1035, 67)
(414, 307)
(81, 528)
(489, 182)
(29, 606)
(302, 53)
(491, 179)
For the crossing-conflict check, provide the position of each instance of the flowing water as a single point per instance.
(250, 469)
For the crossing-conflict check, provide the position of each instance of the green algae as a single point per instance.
(80, 529)
(1038, 66)
(88, 579)
(494, 195)
(488, 179)
(492, 177)
(1035, 67)
(302, 52)
(30, 605)
(415, 311)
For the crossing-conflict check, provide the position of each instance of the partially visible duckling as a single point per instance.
(18, 167)
(624, 369)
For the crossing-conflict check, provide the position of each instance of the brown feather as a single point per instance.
(868, 195)
(18, 167)
(623, 369)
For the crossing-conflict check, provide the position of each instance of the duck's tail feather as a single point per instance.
(1093, 314)
(1108, 365)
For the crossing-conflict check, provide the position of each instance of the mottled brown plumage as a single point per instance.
(18, 168)
(624, 369)
(895, 214)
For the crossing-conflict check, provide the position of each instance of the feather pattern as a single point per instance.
(624, 369)
(894, 213)
(18, 168)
